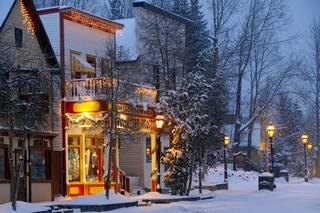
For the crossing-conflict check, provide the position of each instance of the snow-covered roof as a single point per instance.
(126, 40)
(161, 11)
(5, 7)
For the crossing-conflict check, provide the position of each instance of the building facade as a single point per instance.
(26, 138)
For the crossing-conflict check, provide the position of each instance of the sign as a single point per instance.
(38, 142)
(87, 106)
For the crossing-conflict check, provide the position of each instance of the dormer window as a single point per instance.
(18, 37)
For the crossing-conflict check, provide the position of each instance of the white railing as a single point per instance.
(93, 87)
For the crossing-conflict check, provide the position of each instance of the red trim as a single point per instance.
(48, 10)
(62, 67)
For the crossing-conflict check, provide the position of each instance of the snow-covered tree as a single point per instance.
(288, 148)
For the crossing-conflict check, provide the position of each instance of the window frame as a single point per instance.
(94, 65)
(74, 74)
(18, 37)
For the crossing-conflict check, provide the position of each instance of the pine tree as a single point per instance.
(288, 148)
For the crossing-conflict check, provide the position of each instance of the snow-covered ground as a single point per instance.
(242, 197)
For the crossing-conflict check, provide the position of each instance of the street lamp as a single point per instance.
(159, 125)
(226, 141)
(270, 131)
(304, 140)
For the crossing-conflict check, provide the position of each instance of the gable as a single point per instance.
(23, 15)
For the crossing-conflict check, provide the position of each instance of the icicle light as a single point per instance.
(26, 18)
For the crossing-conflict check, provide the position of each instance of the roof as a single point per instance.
(162, 11)
(5, 8)
(126, 40)
(40, 33)
(66, 9)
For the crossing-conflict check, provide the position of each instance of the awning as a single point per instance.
(81, 65)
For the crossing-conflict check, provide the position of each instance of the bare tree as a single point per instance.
(24, 92)
(262, 17)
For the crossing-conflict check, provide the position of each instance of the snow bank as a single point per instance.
(22, 207)
(98, 199)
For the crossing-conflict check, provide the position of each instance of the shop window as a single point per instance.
(148, 149)
(39, 164)
(3, 164)
(74, 159)
(93, 159)
(18, 37)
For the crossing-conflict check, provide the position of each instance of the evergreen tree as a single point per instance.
(288, 148)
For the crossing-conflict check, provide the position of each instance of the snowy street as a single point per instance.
(245, 198)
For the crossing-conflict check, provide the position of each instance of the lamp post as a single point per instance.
(159, 125)
(226, 140)
(304, 140)
(270, 131)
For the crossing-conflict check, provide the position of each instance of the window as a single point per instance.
(93, 159)
(105, 66)
(18, 37)
(92, 61)
(39, 164)
(148, 149)
(75, 74)
(2, 163)
(74, 159)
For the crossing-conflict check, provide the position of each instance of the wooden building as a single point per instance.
(26, 50)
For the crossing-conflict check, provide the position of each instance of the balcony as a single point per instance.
(92, 88)
(98, 89)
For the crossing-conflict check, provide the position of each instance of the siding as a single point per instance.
(86, 40)
(131, 157)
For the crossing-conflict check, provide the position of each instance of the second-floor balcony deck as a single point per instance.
(99, 89)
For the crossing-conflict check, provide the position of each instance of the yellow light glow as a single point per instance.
(310, 146)
(304, 138)
(123, 117)
(270, 130)
(26, 18)
(159, 121)
(226, 140)
(89, 106)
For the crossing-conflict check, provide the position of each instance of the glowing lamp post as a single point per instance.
(304, 140)
(159, 125)
(271, 131)
(226, 141)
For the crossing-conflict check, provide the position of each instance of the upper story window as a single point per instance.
(18, 37)
(105, 66)
(82, 66)
(92, 61)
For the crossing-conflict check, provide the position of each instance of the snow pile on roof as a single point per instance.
(22, 207)
(5, 6)
(98, 199)
(126, 40)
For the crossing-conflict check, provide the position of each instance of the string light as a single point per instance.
(26, 18)
(90, 22)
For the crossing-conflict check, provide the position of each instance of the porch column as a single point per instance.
(154, 166)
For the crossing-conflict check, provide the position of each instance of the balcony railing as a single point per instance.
(98, 88)
(93, 87)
